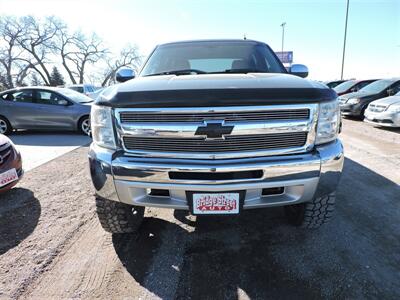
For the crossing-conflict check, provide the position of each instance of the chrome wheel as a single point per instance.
(3, 127)
(85, 126)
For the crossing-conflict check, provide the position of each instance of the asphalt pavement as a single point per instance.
(38, 148)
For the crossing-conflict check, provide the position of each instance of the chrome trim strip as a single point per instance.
(3, 157)
(5, 146)
(216, 109)
(226, 155)
(187, 130)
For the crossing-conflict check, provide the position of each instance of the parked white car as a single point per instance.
(95, 94)
(86, 89)
(384, 112)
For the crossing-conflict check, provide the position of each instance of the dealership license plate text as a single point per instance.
(8, 177)
(224, 203)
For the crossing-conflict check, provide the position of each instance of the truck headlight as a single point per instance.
(353, 101)
(328, 122)
(102, 126)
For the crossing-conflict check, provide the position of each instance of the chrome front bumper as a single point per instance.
(128, 179)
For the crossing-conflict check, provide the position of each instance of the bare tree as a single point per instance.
(10, 52)
(78, 52)
(2, 82)
(38, 42)
(30, 46)
(64, 46)
(22, 74)
(34, 80)
(128, 56)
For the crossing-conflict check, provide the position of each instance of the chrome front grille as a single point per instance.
(281, 114)
(5, 151)
(229, 144)
(252, 131)
(377, 108)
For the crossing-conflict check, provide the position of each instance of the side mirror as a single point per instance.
(299, 70)
(124, 74)
(62, 102)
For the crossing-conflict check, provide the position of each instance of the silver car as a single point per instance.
(384, 112)
(44, 108)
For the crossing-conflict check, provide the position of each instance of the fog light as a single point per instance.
(157, 192)
(273, 191)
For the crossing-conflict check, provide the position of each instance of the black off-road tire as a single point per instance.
(117, 217)
(312, 214)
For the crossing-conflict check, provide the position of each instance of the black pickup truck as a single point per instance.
(215, 127)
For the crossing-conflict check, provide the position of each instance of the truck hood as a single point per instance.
(215, 90)
(218, 81)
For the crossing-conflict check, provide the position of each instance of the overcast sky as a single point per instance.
(314, 29)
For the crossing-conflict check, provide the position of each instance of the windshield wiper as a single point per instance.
(242, 71)
(238, 71)
(178, 72)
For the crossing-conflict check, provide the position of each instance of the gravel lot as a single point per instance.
(52, 246)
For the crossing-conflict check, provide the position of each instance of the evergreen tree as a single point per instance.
(56, 78)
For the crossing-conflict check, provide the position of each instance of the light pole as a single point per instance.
(345, 36)
(283, 34)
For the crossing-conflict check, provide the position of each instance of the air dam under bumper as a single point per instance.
(129, 179)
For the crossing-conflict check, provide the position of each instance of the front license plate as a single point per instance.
(218, 203)
(8, 177)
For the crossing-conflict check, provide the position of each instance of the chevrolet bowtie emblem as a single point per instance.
(214, 130)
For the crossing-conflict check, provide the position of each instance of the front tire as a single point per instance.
(117, 217)
(5, 126)
(362, 114)
(84, 126)
(312, 214)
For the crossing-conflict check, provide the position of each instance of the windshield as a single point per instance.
(212, 57)
(340, 88)
(74, 96)
(377, 86)
(76, 88)
(333, 84)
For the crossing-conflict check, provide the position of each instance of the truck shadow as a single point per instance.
(19, 216)
(257, 255)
